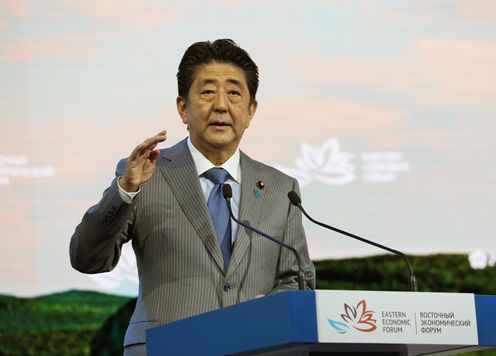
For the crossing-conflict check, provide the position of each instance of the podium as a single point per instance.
(334, 322)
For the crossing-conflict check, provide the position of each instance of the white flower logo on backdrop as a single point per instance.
(329, 165)
(325, 163)
(125, 271)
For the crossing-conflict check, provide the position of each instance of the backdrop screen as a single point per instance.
(383, 110)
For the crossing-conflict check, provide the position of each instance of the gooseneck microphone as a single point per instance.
(227, 192)
(295, 199)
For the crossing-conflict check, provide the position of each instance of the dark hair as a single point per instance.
(223, 50)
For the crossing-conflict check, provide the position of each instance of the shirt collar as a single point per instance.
(202, 164)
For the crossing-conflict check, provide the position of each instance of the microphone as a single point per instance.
(295, 199)
(227, 192)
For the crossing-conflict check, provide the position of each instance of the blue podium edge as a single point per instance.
(485, 309)
(282, 318)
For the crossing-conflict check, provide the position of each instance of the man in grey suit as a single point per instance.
(162, 201)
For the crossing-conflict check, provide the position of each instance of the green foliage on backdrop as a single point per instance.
(435, 273)
(84, 323)
(56, 324)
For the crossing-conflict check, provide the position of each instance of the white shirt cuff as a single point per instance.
(126, 196)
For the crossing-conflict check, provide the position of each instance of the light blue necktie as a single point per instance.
(219, 212)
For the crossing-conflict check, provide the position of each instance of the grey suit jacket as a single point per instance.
(179, 260)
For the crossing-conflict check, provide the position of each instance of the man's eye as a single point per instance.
(234, 92)
(207, 92)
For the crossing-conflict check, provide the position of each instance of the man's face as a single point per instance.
(218, 109)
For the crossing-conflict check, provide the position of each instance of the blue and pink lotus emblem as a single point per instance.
(357, 317)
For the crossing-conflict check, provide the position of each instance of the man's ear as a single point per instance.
(252, 108)
(181, 109)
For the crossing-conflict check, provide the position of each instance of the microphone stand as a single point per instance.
(296, 200)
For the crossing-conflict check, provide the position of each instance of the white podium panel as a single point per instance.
(396, 317)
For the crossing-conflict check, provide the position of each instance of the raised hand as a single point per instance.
(141, 163)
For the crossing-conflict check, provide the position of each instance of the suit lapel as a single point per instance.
(179, 170)
(249, 211)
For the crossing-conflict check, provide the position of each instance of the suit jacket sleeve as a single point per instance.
(294, 235)
(96, 243)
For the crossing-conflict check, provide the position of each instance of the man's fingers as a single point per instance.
(144, 149)
(149, 144)
(152, 142)
(154, 155)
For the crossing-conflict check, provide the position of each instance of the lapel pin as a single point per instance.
(258, 190)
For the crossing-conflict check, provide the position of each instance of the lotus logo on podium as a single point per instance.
(358, 318)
